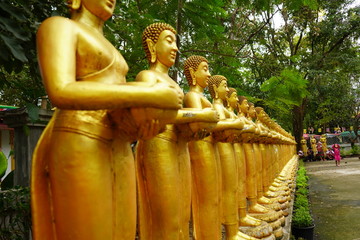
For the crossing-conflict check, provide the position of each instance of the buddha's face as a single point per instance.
(166, 48)
(202, 74)
(244, 106)
(222, 90)
(252, 112)
(233, 100)
(100, 8)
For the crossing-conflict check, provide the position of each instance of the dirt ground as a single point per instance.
(335, 198)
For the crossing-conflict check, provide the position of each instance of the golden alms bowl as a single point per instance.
(195, 130)
(228, 135)
(133, 120)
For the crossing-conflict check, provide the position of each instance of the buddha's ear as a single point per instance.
(151, 46)
(75, 4)
(192, 74)
(215, 91)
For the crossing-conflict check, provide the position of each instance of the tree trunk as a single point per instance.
(298, 119)
(178, 43)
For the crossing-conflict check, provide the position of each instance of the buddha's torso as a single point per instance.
(95, 55)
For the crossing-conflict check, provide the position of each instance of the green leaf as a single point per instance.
(3, 164)
(15, 48)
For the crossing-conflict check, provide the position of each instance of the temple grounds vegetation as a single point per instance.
(299, 59)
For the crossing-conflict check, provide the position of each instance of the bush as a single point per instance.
(15, 214)
(301, 214)
(302, 218)
(355, 150)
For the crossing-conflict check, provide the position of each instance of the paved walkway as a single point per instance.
(335, 199)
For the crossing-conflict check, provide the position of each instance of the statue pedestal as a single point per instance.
(27, 131)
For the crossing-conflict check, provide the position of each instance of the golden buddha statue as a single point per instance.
(324, 143)
(163, 162)
(313, 145)
(83, 174)
(248, 225)
(304, 148)
(224, 131)
(205, 165)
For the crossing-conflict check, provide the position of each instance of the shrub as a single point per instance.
(301, 214)
(15, 214)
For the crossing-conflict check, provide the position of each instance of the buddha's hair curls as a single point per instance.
(241, 99)
(258, 110)
(192, 62)
(215, 80)
(153, 32)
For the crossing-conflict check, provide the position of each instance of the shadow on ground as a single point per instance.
(335, 199)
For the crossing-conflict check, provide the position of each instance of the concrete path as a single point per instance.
(335, 199)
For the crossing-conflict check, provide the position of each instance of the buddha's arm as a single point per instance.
(57, 41)
(189, 115)
(192, 100)
(226, 123)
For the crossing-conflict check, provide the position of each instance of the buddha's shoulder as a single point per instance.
(57, 23)
(146, 75)
(57, 20)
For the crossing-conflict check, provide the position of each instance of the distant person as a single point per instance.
(319, 148)
(330, 154)
(336, 148)
(310, 156)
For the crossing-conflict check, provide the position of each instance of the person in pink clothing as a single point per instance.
(337, 156)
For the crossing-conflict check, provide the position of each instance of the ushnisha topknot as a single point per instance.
(258, 109)
(215, 80)
(153, 32)
(192, 62)
(231, 91)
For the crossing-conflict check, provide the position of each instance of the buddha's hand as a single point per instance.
(149, 129)
(239, 124)
(167, 96)
(210, 115)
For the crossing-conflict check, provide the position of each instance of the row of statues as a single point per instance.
(317, 147)
(224, 166)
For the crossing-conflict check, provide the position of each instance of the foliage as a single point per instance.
(355, 150)
(306, 67)
(3, 164)
(301, 211)
(20, 80)
(15, 216)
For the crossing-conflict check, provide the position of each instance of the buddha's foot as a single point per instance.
(271, 194)
(279, 188)
(282, 219)
(282, 199)
(243, 236)
(270, 216)
(273, 206)
(249, 221)
(257, 208)
(264, 230)
(278, 233)
(265, 200)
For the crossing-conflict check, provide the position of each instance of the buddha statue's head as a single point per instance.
(218, 87)
(231, 99)
(159, 43)
(97, 8)
(260, 113)
(251, 111)
(243, 105)
(196, 70)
